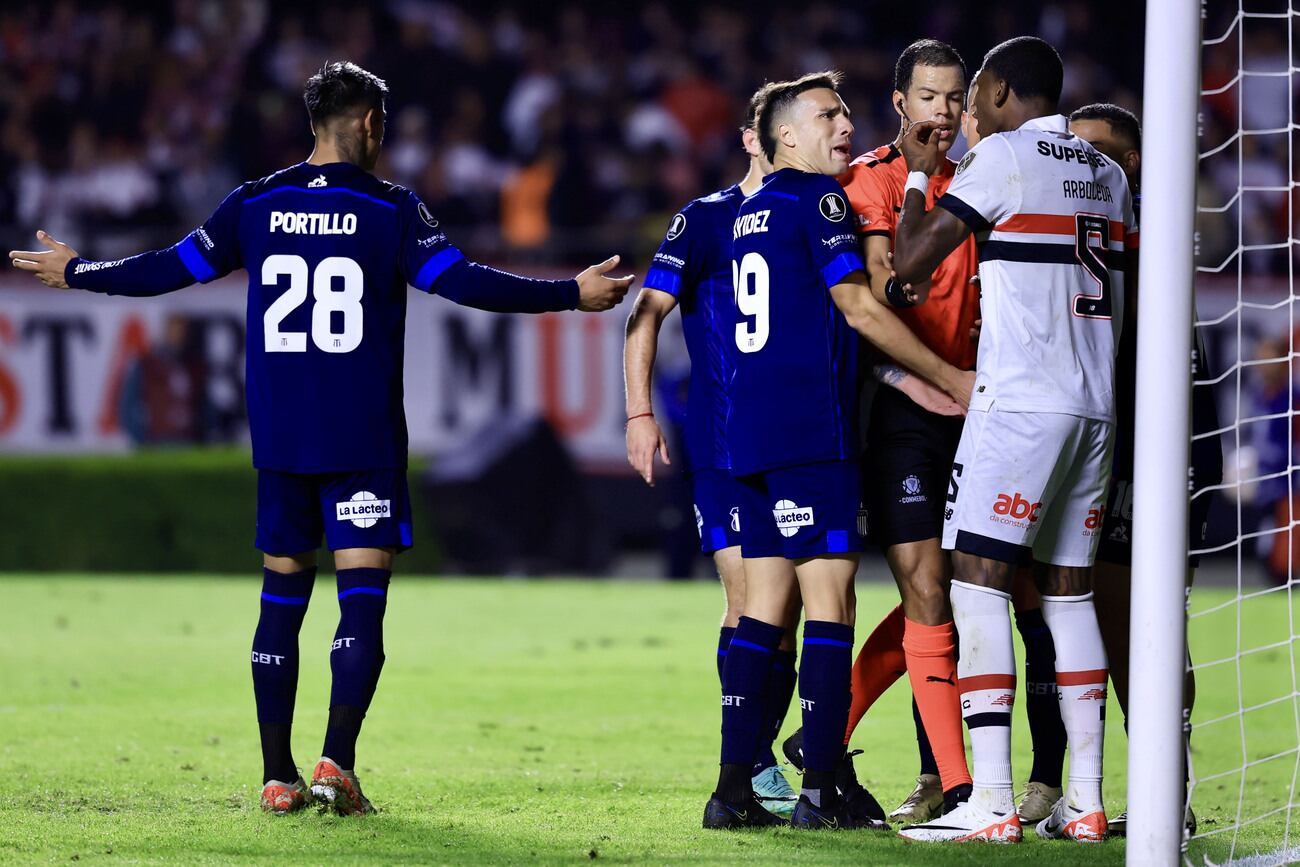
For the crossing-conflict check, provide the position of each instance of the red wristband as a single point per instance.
(640, 415)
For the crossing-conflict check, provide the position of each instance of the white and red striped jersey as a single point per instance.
(1053, 218)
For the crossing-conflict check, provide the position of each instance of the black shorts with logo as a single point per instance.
(906, 469)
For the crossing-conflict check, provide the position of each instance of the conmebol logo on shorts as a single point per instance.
(364, 509)
(789, 517)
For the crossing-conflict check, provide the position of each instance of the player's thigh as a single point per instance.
(288, 520)
(370, 509)
(814, 508)
(826, 583)
(1070, 520)
(717, 509)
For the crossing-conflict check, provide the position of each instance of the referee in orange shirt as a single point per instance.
(912, 435)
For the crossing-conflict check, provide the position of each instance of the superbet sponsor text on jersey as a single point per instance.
(793, 397)
(1054, 218)
(329, 251)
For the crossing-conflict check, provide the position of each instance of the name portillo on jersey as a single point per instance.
(296, 223)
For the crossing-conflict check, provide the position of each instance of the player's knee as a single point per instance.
(927, 601)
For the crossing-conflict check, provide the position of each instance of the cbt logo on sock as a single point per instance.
(363, 509)
(789, 517)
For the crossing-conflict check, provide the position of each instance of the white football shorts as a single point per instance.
(1029, 485)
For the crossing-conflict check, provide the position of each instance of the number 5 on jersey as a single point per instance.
(328, 301)
(749, 279)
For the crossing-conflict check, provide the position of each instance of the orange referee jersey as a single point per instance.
(874, 183)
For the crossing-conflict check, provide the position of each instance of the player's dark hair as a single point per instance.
(1029, 66)
(1123, 122)
(781, 95)
(924, 52)
(756, 103)
(342, 87)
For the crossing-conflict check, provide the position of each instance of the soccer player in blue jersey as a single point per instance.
(801, 293)
(693, 268)
(329, 249)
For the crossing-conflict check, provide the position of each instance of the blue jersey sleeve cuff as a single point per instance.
(841, 265)
(664, 281)
(964, 212)
(193, 260)
(436, 267)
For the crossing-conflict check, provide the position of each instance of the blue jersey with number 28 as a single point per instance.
(793, 397)
(329, 252)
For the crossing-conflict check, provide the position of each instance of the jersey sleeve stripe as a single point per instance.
(434, 268)
(840, 266)
(664, 281)
(194, 261)
(1052, 224)
(964, 212)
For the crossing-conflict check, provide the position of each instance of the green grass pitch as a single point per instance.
(522, 722)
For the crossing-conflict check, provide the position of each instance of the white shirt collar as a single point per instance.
(1049, 123)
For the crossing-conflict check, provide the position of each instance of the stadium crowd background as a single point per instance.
(543, 136)
(544, 133)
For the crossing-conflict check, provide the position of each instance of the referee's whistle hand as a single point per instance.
(597, 292)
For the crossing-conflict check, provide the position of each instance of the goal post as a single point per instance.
(1171, 94)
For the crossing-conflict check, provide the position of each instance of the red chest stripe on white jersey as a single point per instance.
(1052, 224)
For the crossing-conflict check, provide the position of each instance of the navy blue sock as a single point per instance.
(1041, 703)
(356, 658)
(275, 666)
(725, 635)
(928, 763)
(744, 687)
(824, 693)
(780, 690)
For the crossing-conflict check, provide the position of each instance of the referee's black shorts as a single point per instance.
(906, 469)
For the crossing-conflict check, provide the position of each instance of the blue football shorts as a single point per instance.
(717, 509)
(801, 511)
(369, 509)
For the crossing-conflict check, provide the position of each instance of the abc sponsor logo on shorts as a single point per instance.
(364, 509)
(1092, 523)
(789, 517)
(1015, 509)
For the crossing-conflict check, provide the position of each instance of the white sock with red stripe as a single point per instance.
(986, 680)
(1081, 685)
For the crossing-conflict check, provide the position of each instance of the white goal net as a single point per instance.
(1244, 610)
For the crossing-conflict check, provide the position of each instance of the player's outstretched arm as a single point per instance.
(153, 273)
(644, 436)
(876, 322)
(923, 239)
(473, 285)
(48, 265)
(596, 291)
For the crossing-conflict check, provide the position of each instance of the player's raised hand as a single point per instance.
(920, 148)
(644, 438)
(597, 292)
(47, 265)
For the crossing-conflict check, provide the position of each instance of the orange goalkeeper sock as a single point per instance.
(932, 669)
(880, 662)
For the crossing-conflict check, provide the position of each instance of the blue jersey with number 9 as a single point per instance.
(794, 399)
(329, 252)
